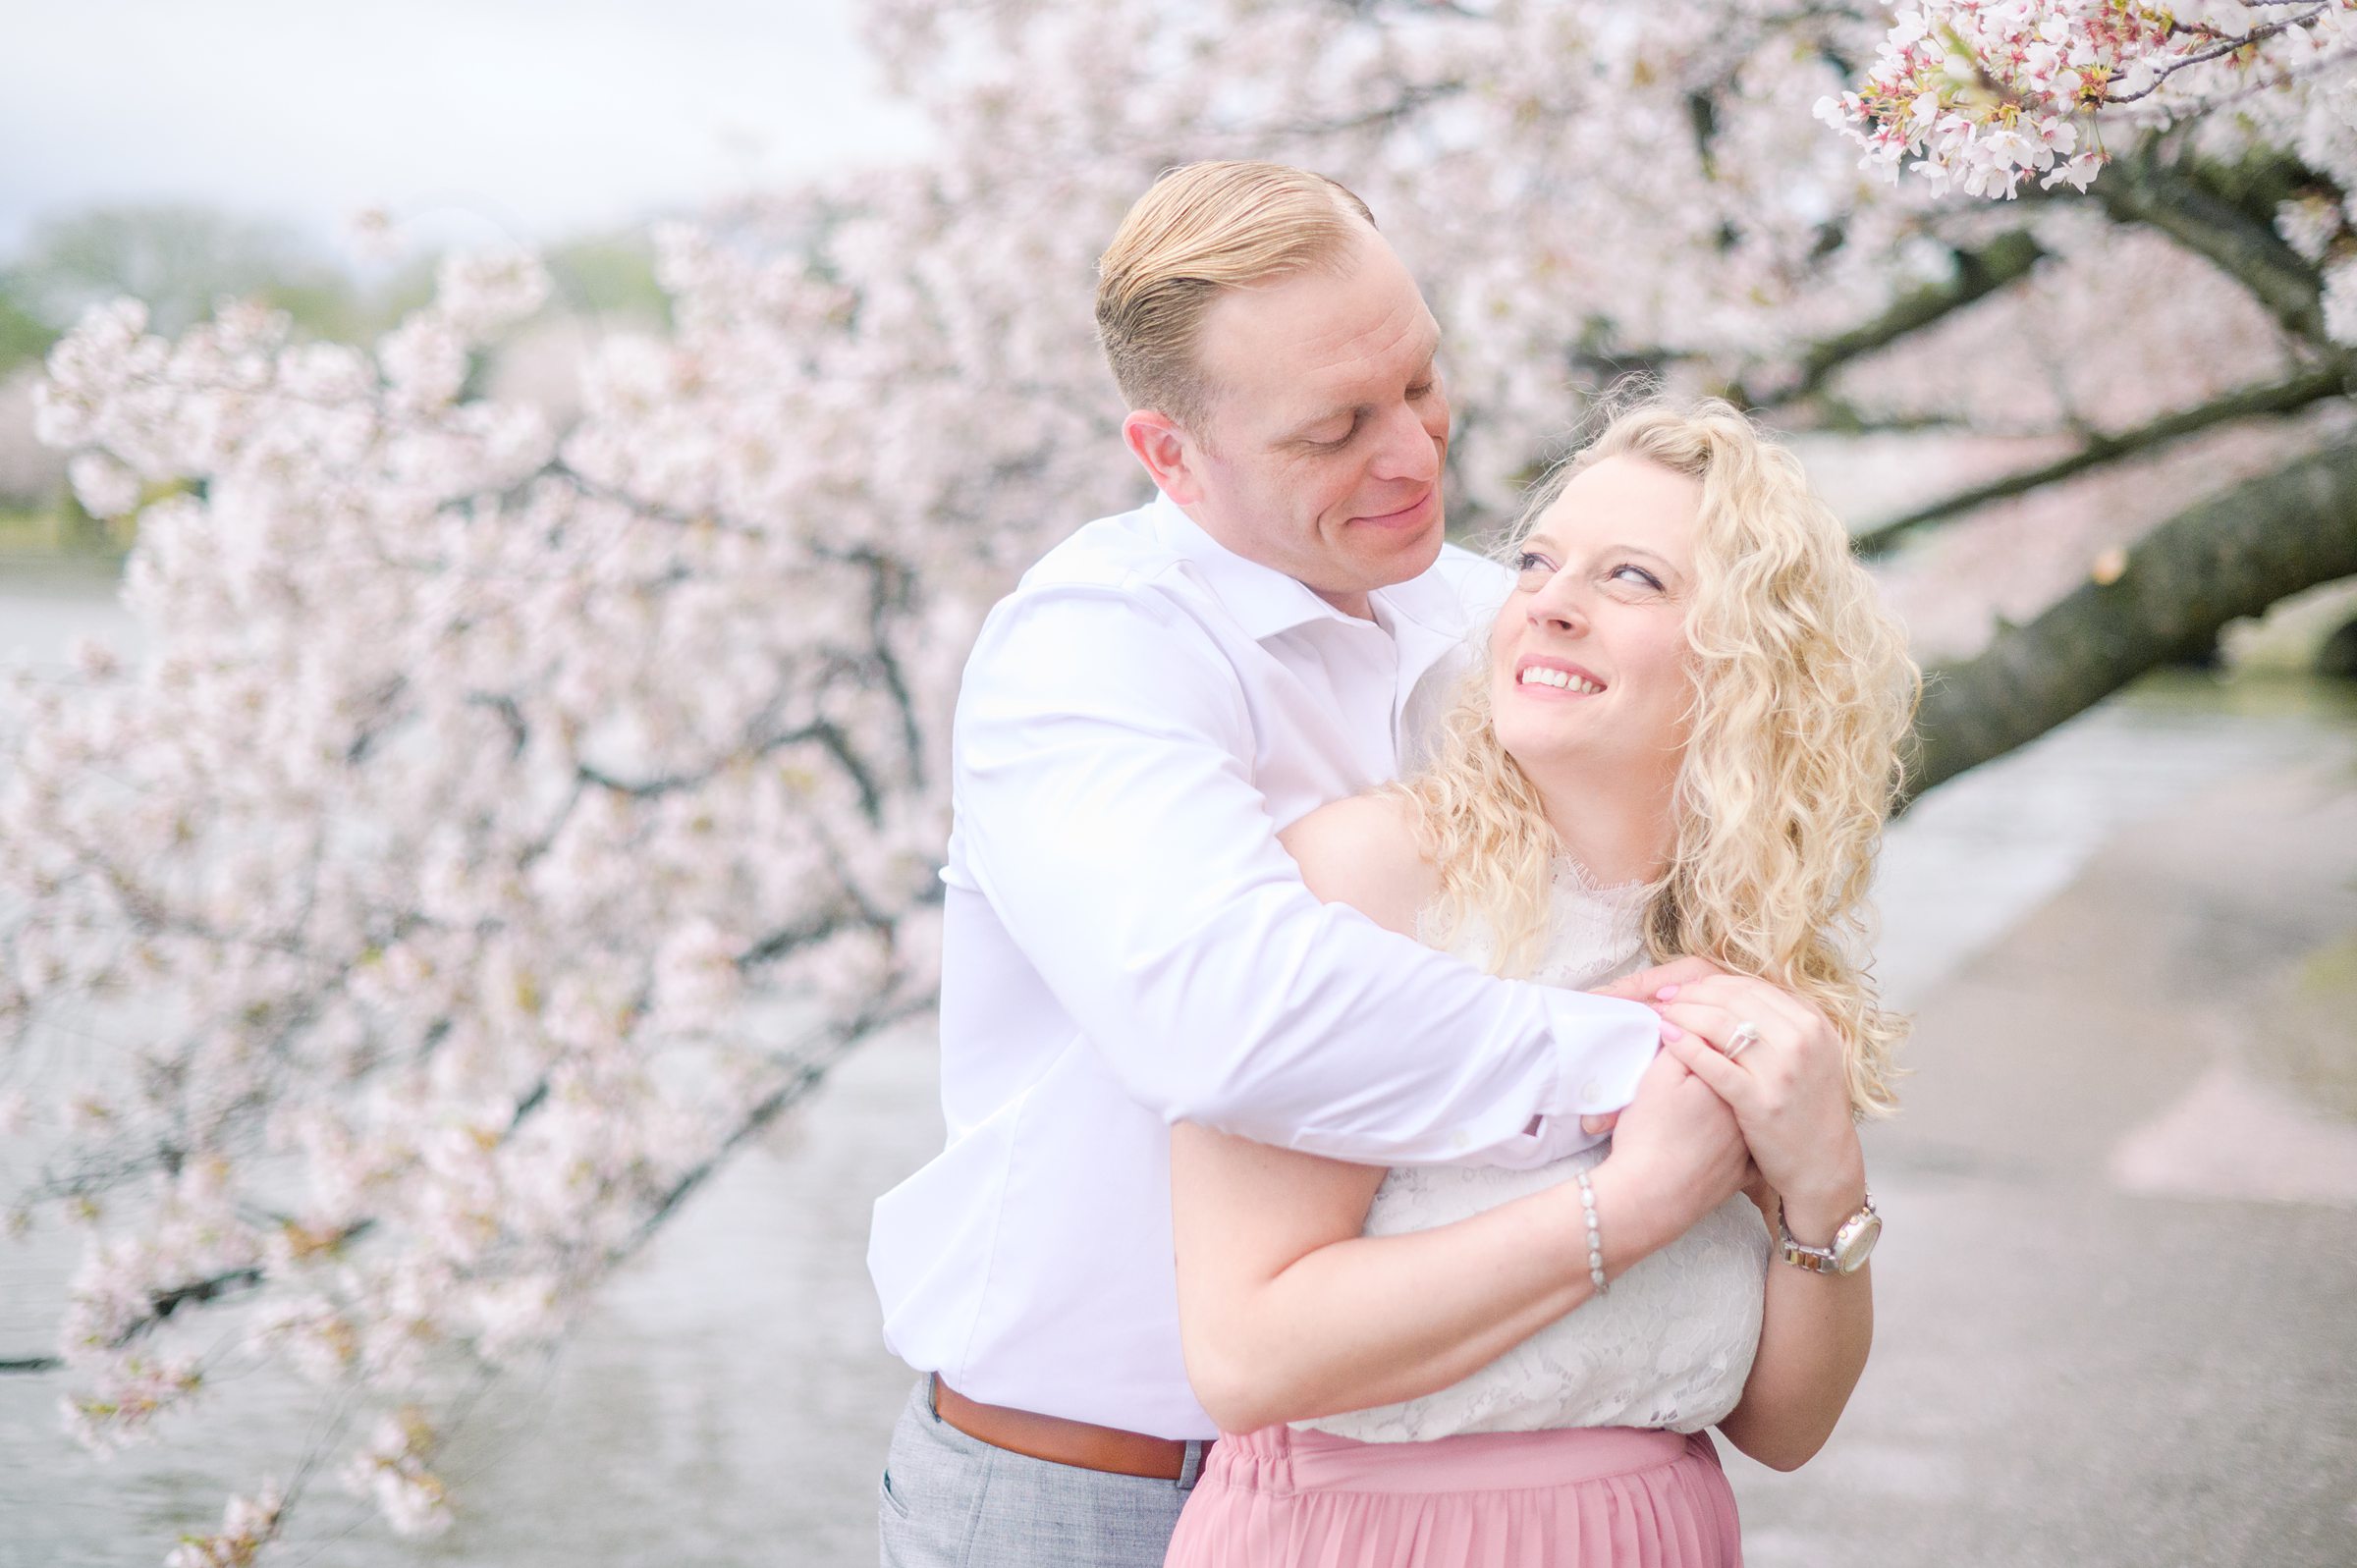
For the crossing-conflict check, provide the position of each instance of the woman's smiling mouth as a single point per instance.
(1555, 676)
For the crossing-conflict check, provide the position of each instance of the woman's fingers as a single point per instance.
(1802, 1043)
(1738, 993)
(1788, 1091)
(1766, 1066)
(1716, 1024)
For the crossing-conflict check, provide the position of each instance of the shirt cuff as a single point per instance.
(1547, 1140)
(1603, 1046)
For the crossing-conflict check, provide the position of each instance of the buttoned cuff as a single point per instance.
(1550, 1138)
(1602, 1046)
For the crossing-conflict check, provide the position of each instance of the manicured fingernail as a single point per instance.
(1664, 994)
(1670, 1031)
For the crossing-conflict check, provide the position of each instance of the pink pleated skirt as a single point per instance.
(1588, 1497)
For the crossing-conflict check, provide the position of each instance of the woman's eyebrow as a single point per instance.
(1540, 541)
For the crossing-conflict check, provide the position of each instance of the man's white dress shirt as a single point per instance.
(1126, 945)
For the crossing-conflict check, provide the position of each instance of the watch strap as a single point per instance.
(1825, 1259)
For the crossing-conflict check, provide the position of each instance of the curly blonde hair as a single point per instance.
(1803, 694)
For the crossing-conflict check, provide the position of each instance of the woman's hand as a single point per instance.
(1789, 1087)
(1788, 1090)
(1640, 987)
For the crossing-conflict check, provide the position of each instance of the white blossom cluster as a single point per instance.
(391, 1470)
(248, 1525)
(504, 822)
(1985, 93)
(481, 795)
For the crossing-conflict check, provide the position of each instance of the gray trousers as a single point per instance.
(949, 1501)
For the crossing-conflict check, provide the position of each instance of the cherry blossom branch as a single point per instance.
(1839, 416)
(1980, 271)
(2222, 47)
(1414, 97)
(162, 1304)
(806, 1076)
(2330, 380)
(827, 736)
(890, 584)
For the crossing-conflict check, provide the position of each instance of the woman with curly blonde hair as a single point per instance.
(1683, 740)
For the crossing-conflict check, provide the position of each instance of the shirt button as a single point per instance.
(1461, 1139)
(1591, 1092)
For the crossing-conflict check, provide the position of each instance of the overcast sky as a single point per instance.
(525, 118)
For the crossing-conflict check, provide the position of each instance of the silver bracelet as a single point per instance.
(1587, 1205)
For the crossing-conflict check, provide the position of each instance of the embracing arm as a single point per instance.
(1106, 808)
(1287, 1312)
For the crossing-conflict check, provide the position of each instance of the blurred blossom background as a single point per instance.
(494, 499)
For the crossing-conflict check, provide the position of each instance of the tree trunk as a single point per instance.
(2212, 562)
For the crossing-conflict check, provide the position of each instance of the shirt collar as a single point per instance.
(1266, 602)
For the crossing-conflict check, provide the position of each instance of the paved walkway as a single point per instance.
(2117, 1295)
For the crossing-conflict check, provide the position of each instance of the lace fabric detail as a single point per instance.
(1670, 1345)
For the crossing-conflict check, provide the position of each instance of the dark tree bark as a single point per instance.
(2212, 562)
(1979, 274)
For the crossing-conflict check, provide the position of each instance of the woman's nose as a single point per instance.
(1556, 607)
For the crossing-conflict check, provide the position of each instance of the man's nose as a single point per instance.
(1408, 450)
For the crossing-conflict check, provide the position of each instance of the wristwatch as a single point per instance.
(1851, 1243)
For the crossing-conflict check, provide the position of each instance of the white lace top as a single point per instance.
(1669, 1346)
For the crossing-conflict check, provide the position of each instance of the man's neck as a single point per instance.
(1361, 606)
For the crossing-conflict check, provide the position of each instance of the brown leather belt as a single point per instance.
(1060, 1442)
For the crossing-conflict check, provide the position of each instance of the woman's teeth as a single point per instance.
(1542, 676)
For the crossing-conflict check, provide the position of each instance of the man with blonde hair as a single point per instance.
(1126, 943)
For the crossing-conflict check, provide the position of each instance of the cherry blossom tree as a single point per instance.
(505, 822)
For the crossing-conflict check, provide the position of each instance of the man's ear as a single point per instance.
(1169, 453)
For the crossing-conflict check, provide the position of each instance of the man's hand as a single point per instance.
(1640, 987)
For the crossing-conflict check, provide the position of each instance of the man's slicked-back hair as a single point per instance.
(1201, 229)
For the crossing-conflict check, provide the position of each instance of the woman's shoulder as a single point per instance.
(1364, 850)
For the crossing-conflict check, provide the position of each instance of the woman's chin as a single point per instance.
(1551, 757)
(1575, 764)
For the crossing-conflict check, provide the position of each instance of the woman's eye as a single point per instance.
(1528, 563)
(1639, 573)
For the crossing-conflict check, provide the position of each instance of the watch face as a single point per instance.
(1856, 1240)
